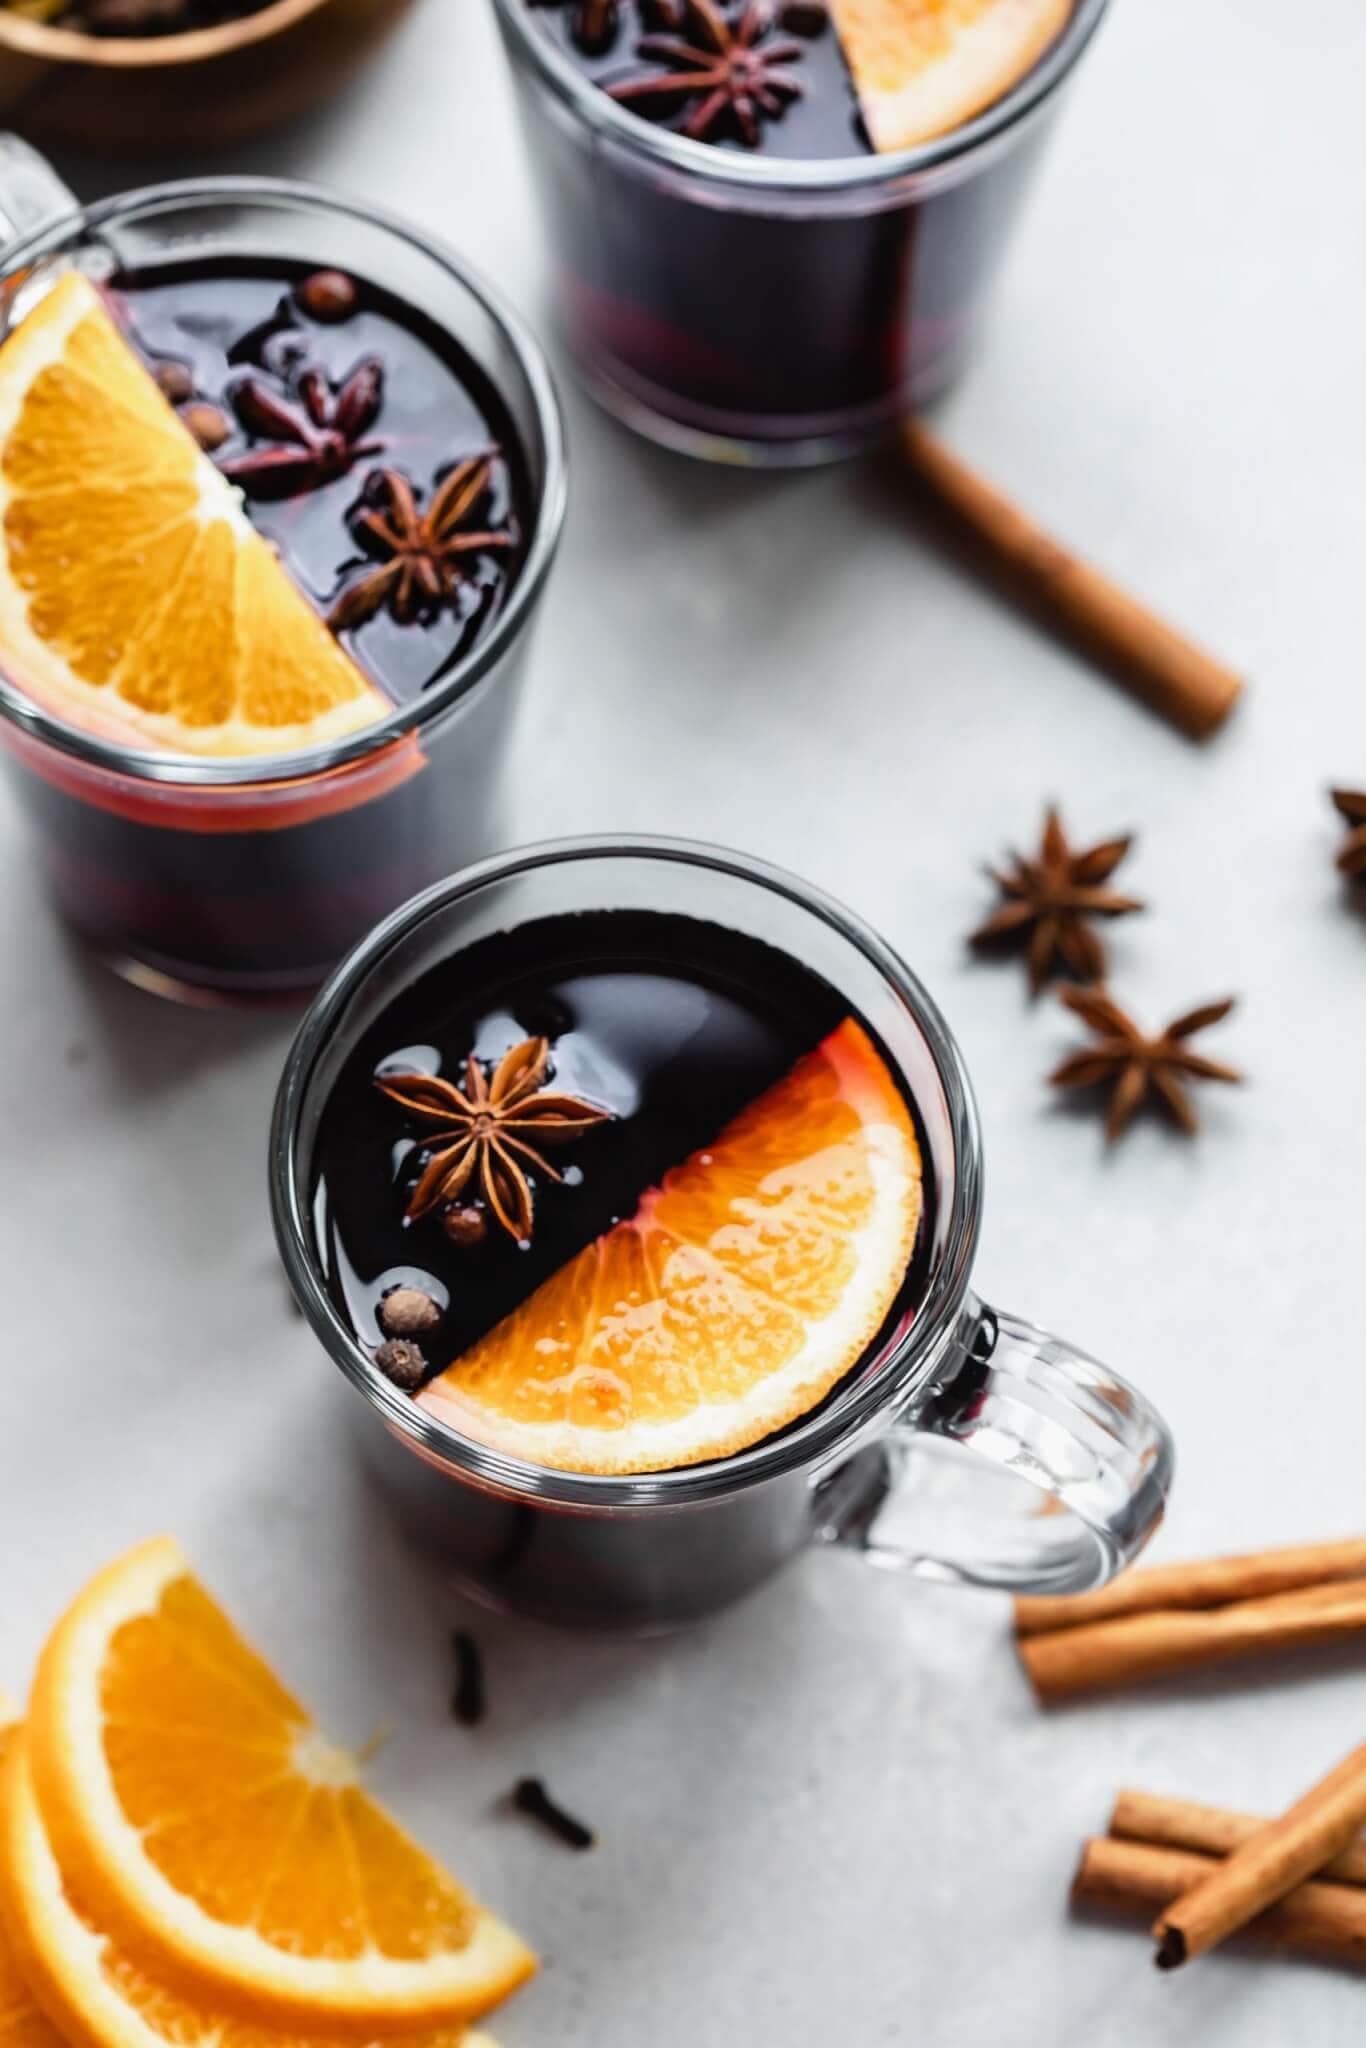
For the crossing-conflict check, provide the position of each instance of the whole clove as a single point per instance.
(468, 1702)
(530, 1797)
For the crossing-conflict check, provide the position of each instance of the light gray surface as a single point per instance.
(834, 1813)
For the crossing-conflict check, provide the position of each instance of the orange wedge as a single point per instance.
(23, 2024)
(97, 1993)
(740, 1292)
(199, 1813)
(923, 67)
(136, 601)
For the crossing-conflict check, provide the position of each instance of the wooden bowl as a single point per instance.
(154, 95)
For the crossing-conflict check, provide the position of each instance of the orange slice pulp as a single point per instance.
(923, 67)
(83, 1982)
(197, 1811)
(742, 1290)
(136, 600)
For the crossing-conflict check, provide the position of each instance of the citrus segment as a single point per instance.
(23, 2023)
(923, 67)
(136, 600)
(740, 1292)
(198, 1811)
(95, 1991)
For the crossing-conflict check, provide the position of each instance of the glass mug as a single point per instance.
(901, 1464)
(761, 310)
(246, 880)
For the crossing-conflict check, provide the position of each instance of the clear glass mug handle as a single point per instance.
(1026, 1466)
(31, 193)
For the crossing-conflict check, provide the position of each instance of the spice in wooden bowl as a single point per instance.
(148, 77)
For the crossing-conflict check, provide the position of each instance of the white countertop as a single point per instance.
(834, 1812)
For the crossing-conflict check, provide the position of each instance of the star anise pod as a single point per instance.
(483, 1133)
(1134, 1066)
(309, 446)
(1048, 900)
(726, 73)
(1352, 857)
(420, 554)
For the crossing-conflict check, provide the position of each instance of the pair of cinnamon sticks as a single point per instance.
(1174, 1618)
(1299, 1881)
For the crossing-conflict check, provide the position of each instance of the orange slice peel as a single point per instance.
(23, 2021)
(740, 1293)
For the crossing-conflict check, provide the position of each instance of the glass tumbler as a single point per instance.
(761, 310)
(246, 880)
(966, 1445)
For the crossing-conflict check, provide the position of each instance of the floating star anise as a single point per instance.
(420, 554)
(1352, 857)
(1131, 1065)
(308, 447)
(482, 1133)
(1048, 902)
(727, 73)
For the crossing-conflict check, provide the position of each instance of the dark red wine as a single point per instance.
(670, 1025)
(814, 112)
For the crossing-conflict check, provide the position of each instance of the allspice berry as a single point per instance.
(403, 1362)
(804, 17)
(209, 424)
(408, 1312)
(328, 295)
(174, 382)
(465, 1226)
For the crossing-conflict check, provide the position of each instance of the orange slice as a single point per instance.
(923, 67)
(96, 1992)
(740, 1292)
(136, 600)
(198, 1811)
(23, 2024)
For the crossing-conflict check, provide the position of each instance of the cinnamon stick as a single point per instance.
(1208, 1582)
(1211, 1831)
(1268, 1865)
(1139, 1646)
(1177, 678)
(1314, 1919)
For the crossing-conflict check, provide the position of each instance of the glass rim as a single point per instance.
(812, 1441)
(160, 767)
(785, 174)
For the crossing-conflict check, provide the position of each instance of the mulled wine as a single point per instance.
(242, 666)
(646, 1042)
(775, 225)
(562, 1156)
